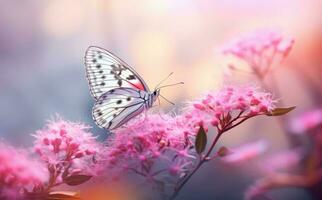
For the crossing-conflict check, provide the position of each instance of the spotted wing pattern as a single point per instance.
(117, 106)
(106, 71)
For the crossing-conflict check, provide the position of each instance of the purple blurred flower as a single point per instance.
(19, 171)
(246, 152)
(306, 121)
(284, 160)
(259, 49)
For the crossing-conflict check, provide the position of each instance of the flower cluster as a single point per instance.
(259, 49)
(18, 171)
(162, 147)
(229, 107)
(67, 148)
(146, 144)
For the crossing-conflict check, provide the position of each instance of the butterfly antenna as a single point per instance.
(159, 110)
(163, 80)
(167, 100)
(180, 83)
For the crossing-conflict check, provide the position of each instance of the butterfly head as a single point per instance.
(155, 94)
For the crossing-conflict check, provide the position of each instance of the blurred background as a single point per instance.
(42, 45)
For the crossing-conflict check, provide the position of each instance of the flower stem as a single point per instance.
(202, 160)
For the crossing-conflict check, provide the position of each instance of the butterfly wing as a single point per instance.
(106, 71)
(117, 106)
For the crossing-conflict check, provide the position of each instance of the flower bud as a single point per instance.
(45, 141)
(79, 154)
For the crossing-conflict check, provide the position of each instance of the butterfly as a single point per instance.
(119, 91)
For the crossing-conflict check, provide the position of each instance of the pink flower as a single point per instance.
(19, 171)
(67, 148)
(179, 167)
(228, 107)
(145, 144)
(246, 152)
(259, 49)
(306, 121)
(161, 148)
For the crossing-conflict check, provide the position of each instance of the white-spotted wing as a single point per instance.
(117, 106)
(106, 71)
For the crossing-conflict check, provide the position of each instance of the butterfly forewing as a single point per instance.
(117, 106)
(105, 72)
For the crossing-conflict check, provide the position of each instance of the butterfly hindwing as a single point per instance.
(106, 71)
(117, 106)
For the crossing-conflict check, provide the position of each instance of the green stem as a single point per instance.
(202, 160)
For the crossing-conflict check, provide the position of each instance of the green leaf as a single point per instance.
(223, 151)
(76, 179)
(201, 140)
(63, 195)
(280, 111)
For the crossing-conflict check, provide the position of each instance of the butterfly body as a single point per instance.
(120, 93)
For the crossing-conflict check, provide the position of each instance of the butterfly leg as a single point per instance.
(161, 115)
(158, 103)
